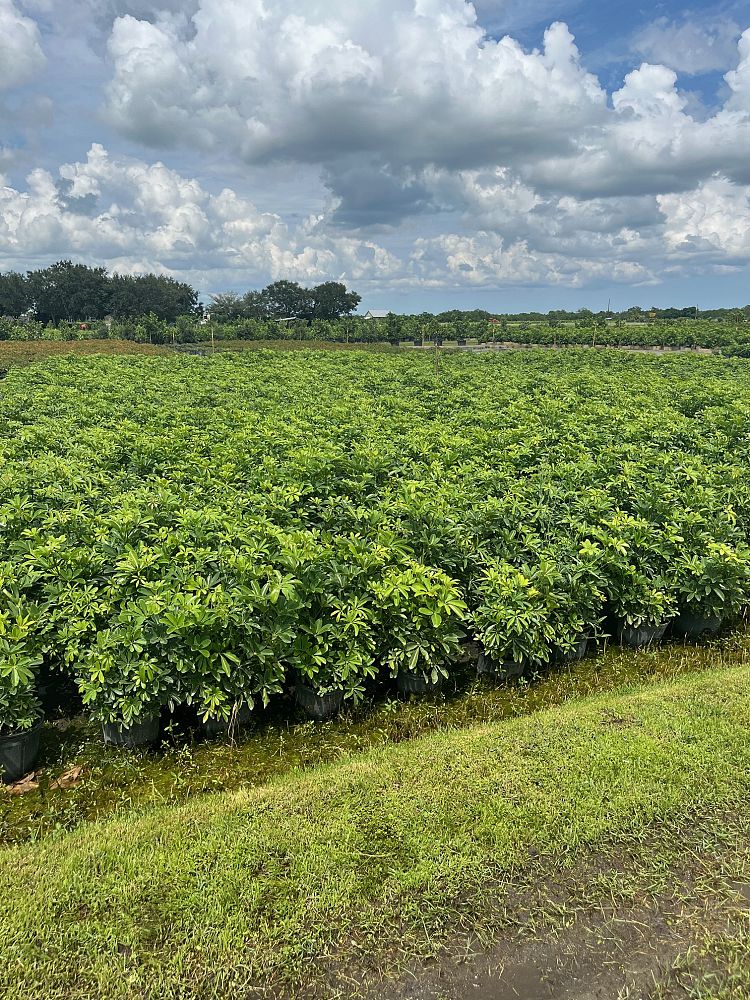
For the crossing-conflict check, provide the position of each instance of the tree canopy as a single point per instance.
(287, 300)
(77, 292)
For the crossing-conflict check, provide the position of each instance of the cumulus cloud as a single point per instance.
(21, 55)
(691, 46)
(486, 259)
(115, 210)
(713, 220)
(379, 94)
(414, 82)
(423, 150)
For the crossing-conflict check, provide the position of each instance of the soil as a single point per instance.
(621, 926)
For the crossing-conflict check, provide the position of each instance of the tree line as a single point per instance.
(75, 293)
(69, 292)
(287, 300)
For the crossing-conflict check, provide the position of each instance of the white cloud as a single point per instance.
(21, 55)
(413, 82)
(394, 143)
(379, 94)
(114, 210)
(487, 259)
(739, 79)
(712, 220)
(692, 46)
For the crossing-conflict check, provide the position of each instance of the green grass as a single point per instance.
(376, 854)
(188, 766)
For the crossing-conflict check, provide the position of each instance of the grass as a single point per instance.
(258, 891)
(188, 766)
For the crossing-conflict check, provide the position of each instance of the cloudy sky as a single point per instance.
(431, 153)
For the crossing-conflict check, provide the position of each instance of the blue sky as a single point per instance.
(509, 155)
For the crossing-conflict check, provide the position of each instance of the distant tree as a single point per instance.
(289, 300)
(227, 306)
(331, 300)
(68, 291)
(15, 295)
(393, 327)
(255, 305)
(152, 294)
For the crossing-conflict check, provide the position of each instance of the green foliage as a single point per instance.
(75, 293)
(512, 616)
(419, 611)
(714, 582)
(21, 643)
(206, 530)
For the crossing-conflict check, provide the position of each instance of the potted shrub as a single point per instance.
(575, 598)
(419, 610)
(636, 560)
(512, 621)
(711, 585)
(124, 686)
(642, 612)
(20, 719)
(332, 655)
(20, 706)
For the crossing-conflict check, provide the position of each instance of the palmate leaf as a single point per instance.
(208, 515)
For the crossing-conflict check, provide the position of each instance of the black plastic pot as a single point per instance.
(573, 655)
(688, 626)
(637, 638)
(506, 670)
(140, 733)
(221, 727)
(18, 753)
(414, 682)
(318, 706)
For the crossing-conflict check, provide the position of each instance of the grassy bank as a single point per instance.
(187, 765)
(258, 890)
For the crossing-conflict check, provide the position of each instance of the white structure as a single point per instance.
(377, 313)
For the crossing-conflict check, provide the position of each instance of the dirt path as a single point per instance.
(668, 921)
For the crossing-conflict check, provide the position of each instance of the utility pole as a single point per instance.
(437, 360)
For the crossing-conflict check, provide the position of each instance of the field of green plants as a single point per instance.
(211, 531)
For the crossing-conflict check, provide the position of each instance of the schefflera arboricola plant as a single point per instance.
(419, 612)
(511, 614)
(22, 627)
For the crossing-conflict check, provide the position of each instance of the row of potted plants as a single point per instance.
(206, 531)
(409, 620)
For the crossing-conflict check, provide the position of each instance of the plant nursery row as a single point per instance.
(208, 531)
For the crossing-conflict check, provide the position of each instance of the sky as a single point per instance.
(432, 154)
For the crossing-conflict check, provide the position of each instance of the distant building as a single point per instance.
(377, 313)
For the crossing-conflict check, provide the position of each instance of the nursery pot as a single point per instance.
(139, 733)
(18, 753)
(319, 706)
(637, 638)
(220, 727)
(414, 682)
(688, 626)
(506, 670)
(576, 653)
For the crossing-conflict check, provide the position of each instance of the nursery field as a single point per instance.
(25, 352)
(550, 550)
(209, 531)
